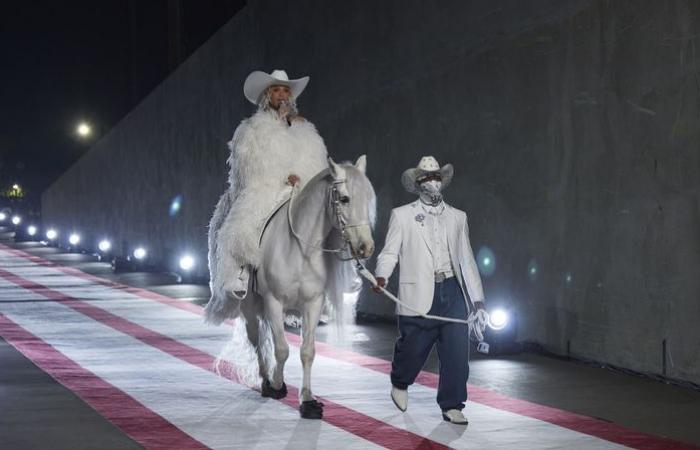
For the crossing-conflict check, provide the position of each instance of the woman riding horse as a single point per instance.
(271, 151)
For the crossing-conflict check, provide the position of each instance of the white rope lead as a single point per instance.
(471, 319)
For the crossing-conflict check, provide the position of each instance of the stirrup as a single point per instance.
(244, 280)
(239, 295)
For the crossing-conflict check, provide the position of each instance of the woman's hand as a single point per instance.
(292, 179)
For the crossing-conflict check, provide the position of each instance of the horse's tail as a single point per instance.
(249, 354)
(220, 306)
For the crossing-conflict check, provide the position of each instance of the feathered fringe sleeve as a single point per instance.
(242, 161)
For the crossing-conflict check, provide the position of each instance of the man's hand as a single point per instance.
(381, 282)
(296, 118)
(292, 179)
(482, 317)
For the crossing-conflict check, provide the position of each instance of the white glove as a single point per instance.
(482, 318)
(477, 323)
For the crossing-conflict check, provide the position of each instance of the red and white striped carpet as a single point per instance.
(146, 363)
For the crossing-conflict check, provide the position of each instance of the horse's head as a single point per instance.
(353, 205)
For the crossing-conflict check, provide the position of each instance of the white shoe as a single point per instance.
(400, 398)
(454, 416)
(240, 284)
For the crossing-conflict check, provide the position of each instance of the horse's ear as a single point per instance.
(336, 170)
(361, 163)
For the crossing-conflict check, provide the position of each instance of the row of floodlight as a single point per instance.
(16, 220)
(499, 318)
(186, 261)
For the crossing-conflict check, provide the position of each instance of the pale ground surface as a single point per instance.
(40, 413)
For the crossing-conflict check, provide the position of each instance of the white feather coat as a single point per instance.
(264, 152)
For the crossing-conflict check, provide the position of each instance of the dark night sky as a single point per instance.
(63, 62)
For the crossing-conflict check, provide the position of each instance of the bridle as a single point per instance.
(338, 203)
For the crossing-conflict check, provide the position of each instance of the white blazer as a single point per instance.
(407, 242)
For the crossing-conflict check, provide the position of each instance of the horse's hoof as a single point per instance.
(268, 391)
(311, 409)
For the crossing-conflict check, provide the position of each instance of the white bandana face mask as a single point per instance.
(430, 192)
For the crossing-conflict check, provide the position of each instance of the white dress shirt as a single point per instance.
(437, 232)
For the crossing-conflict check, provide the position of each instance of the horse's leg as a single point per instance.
(274, 312)
(310, 408)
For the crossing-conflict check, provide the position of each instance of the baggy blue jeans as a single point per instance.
(418, 335)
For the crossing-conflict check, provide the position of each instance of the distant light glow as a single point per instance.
(104, 246)
(186, 262)
(532, 270)
(569, 278)
(140, 253)
(3, 216)
(15, 186)
(31, 230)
(74, 239)
(498, 319)
(51, 234)
(486, 261)
(175, 205)
(83, 129)
(16, 220)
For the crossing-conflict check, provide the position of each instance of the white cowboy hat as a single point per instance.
(427, 165)
(258, 81)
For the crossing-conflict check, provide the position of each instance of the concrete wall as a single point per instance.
(573, 127)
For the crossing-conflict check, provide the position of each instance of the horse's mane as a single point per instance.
(343, 278)
(352, 171)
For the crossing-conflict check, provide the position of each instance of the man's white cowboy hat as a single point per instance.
(258, 81)
(427, 165)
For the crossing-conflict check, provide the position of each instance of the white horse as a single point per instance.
(300, 267)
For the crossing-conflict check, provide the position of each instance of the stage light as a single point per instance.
(186, 262)
(16, 220)
(51, 234)
(83, 129)
(31, 230)
(3, 216)
(104, 246)
(74, 239)
(498, 319)
(140, 253)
